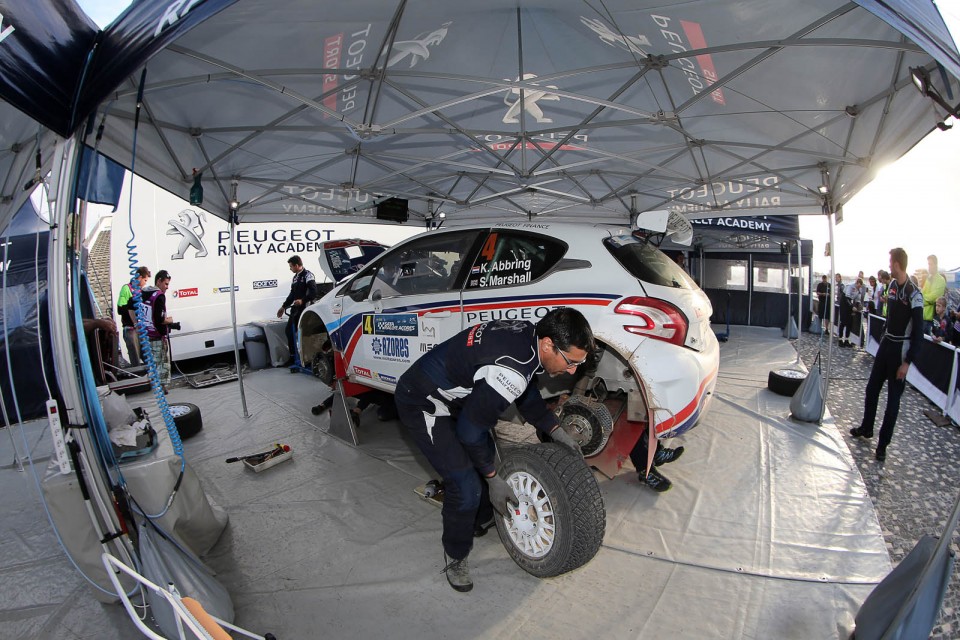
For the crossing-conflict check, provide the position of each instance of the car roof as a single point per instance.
(563, 230)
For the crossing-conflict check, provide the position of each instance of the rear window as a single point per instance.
(347, 258)
(647, 263)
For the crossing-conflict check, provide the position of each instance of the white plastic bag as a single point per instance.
(116, 411)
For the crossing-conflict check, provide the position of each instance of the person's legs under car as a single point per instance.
(638, 456)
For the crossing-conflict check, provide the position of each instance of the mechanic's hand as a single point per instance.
(280, 313)
(502, 496)
(560, 436)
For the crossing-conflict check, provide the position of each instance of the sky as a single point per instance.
(913, 203)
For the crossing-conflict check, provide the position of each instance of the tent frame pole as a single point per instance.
(233, 314)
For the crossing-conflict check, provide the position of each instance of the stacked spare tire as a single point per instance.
(560, 520)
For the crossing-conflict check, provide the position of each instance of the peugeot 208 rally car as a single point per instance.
(657, 358)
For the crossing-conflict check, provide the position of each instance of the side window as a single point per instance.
(512, 258)
(425, 265)
(359, 287)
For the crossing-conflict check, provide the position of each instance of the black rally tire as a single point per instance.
(187, 418)
(571, 518)
(785, 382)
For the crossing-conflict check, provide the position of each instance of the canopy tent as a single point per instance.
(506, 110)
(509, 110)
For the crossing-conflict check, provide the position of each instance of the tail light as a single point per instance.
(654, 318)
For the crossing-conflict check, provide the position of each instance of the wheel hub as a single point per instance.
(532, 525)
(579, 427)
(588, 422)
(178, 410)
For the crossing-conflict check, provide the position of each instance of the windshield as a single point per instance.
(647, 263)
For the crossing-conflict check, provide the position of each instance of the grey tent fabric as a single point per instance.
(565, 109)
(920, 21)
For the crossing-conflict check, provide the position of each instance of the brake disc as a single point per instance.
(322, 366)
(588, 422)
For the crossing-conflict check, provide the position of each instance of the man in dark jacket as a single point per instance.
(303, 290)
(823, 292)
(899, 346)
(453, 396)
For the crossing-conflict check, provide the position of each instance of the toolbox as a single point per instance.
(269, 459)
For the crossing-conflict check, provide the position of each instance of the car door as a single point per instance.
(403, 305)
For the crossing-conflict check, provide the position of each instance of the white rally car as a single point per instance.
(657, 356)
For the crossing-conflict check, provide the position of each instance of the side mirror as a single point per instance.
(376, 296)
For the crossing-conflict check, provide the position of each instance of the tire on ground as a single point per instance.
(187, 418)
(785, 382)
(562, 511)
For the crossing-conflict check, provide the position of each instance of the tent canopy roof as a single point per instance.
(564, 109)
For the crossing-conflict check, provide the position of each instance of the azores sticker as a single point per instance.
(391, 349)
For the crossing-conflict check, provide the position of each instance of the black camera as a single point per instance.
(174, 325)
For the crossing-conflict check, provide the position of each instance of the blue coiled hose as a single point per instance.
(146, 352)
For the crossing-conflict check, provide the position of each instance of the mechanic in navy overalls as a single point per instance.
(303, 290)
(453, 396)
(899, 346)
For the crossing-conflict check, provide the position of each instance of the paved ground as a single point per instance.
(914, 490)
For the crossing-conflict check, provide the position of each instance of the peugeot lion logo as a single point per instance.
(190, 230)
(528, 104)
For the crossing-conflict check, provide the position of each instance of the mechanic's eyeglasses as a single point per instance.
(570, 363)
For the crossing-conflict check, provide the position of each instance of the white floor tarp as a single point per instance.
(768, 531)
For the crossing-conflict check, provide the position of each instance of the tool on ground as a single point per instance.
(258, 458)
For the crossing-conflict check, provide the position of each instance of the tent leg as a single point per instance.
(233, 317)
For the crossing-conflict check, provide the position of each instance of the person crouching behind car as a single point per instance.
(638, 456)
(453, 396)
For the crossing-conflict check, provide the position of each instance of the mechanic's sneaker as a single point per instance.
(355, 416)
(881, 454)
(665, 455)
(480, 530)
(860, 432)
(458, 574)
(656, 481)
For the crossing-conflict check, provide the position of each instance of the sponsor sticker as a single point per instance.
(387, 379)
(362, 372)
(225, 289)
(392, 349)
(186, 293)
(397, 324)
(264, 284)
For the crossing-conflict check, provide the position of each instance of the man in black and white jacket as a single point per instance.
(452, 397)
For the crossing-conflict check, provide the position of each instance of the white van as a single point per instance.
(194, 246)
